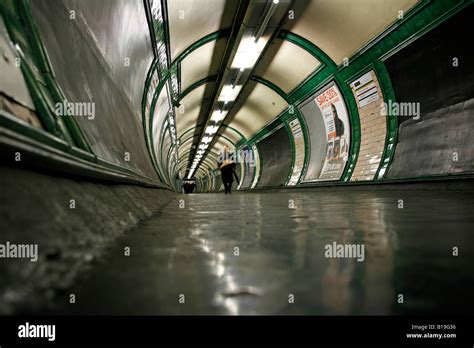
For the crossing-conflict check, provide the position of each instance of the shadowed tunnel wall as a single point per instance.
(436, 72)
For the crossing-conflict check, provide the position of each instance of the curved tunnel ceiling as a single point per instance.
(338, 28)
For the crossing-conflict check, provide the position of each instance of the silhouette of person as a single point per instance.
(227, 166)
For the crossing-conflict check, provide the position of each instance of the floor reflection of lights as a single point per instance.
(219, 269)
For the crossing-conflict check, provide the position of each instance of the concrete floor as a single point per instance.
(281, 252)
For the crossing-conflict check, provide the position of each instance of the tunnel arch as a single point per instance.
(171, 78)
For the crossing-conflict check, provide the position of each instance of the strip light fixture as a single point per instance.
(248, 52)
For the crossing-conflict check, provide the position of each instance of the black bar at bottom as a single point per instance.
(136, 330)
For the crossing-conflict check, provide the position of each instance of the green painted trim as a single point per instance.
(260, 159)
(150, 120)
(67, 124)
(178, 76)
(181, 141)
(308, 46)
(254, 78)
(164, 133)
(245, 167)
(323, 75)
(272, 125)
(307, 145)
(197, 84)
(241, 142)
(235, 130)
(40, 136)
(148, 81)
(298, 116)
(18, 32)
(354, 119)
(307, 79)
(160, 33)
(293, 151)
(418, 21)
(223, 33)
(309, 87)
(189, 130)
(166, 31)
(271, 85)
(371, 45)
(148, 143)
(16, 124)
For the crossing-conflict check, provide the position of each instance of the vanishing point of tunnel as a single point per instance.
(218, 157)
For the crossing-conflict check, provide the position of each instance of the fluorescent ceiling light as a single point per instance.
(206, 140)
(211, 129)
(203, 146)
(229, 93)
(248, 52)
(218, 115)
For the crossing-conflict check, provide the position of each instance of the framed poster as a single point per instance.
(331, 104)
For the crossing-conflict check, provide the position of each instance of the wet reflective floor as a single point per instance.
(267, 253)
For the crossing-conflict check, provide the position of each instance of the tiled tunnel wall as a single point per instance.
(439, 143)
(373, 125)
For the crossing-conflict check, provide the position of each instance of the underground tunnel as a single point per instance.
(246, 157)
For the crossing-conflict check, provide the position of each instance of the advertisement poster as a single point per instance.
(336, 122)
(365, 90)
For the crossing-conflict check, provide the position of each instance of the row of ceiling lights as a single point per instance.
(248, 52)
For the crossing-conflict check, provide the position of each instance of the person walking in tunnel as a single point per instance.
(227, 166)
(188, 187)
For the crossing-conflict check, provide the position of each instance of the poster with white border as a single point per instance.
(336, 122)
